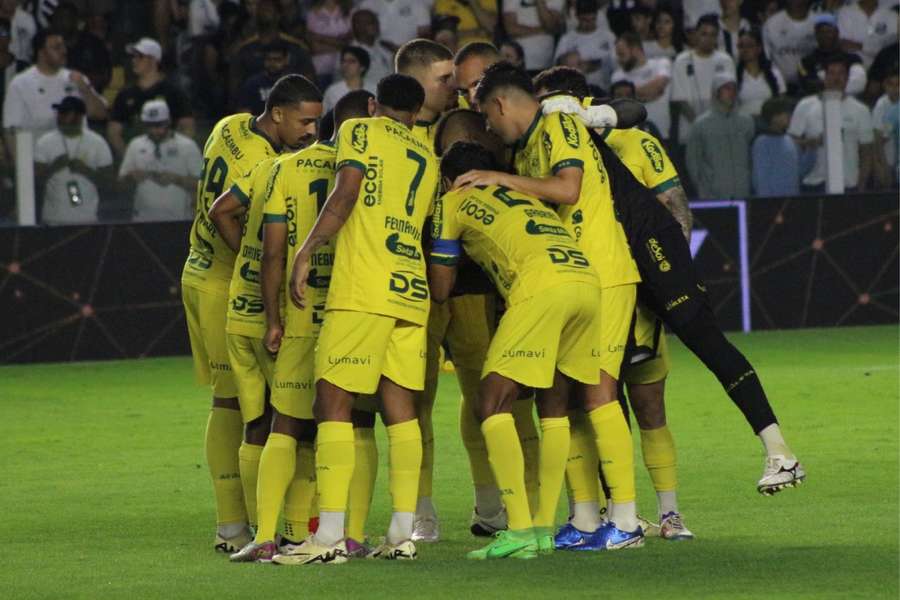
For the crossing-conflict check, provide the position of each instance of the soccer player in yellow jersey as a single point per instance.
(235, 146)
(557, 162)
(548, 336)
(469, 65)
(373, 337)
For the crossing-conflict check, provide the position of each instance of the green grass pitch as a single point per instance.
(105, 493)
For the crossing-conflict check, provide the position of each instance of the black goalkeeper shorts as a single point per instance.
(670, 285)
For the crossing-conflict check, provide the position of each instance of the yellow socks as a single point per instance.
(615, 451)
(473, 440)
(405, 458)
(248, 455)
(276, 470)
(335, 460)
(523, 413)
(362, 485)
(508, 464)
(659, 457)
(554, 449)
(300, 500)
(224, 431)
(582, 478)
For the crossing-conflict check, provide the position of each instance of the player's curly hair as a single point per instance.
(502, 75)
(400, 92)
(463, 157)
(292, 89)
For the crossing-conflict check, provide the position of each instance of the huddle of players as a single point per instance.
(570, 242)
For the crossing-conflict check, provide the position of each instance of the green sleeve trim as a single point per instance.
(349, 162)
(565, 164)
(270, 218)
(665, 186)
(241, 196)
(447, 261)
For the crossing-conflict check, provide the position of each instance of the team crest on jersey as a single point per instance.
(359, 137)
(654, 154)
(570, 131)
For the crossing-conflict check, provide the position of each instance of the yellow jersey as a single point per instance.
(378, 262)
(555, 142)
(245, 305)
(234, 147)
(513, 237)
(299, 187)
(424, 131)
(644, 156)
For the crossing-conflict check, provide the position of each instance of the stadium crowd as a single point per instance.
(733, 87)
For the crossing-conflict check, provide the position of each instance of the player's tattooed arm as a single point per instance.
(562, 188)
(676, 201)
(272, 274)
(334, 214)
(226, 214)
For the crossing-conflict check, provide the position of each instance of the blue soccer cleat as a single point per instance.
(610, 537)
(571, 538)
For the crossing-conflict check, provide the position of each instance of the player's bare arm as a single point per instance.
(226, 214)
(676, 201)
(441, 279)
(271, 276)
(562, 188)
(334, 214)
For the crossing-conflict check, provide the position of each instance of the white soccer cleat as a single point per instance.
(650, 528)
(405, 550)
(780, 473)
(671, 527)
(233, 544)
(482, 526)
(426, 529)
(311, 552)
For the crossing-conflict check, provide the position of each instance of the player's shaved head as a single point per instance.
(291, 90)
(420, 54)
(463, 125)
(503, 77)
(463, 157)
(562, 79)
(353, 105)
(477, 49)
(470, 64)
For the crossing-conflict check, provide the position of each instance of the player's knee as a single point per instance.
(332, 403)
(363, 419)
(553, 403)
(648, 403)
(496, 395)
(605, 392)
(256, 432)
(229, 403)
(299, 429)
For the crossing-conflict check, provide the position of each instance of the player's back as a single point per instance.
(379, 267)
(519, 242)
(644, 156)
(232, 150)
(558, 141)
(298, 192)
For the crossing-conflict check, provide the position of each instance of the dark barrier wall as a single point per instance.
(112, 291)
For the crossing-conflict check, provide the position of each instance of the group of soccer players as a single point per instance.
(543, 248)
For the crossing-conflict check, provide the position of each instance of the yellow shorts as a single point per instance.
(252, 366)
(356, 349)
(205, 313)
(293, 386)
(649, 336)
(617, 310)
(557, 329)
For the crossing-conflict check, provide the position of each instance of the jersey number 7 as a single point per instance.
(416, 180)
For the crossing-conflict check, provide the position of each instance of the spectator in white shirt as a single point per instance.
(650, 77)
(808, 130)
(885, 117)
(788, 36)
(162, 167)
(693, 72)
(32, 93)
(731, 24)
(758, 79)
(533, 23)
(866, 28)
(593, 45)
(367, 35)
(667, 40)
(401, 20)
(72, 163)
(354, 65)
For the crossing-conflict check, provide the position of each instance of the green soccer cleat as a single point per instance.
(508, 544)
(545, 541)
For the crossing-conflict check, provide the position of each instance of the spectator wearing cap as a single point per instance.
(808, 130)
(354, 64)
(72, 165)
(327, 30)
(718, 148)
(693, 73)
(477, 18)
(33, 92)
(593, 45)
(150, 83)
(758, 79)
(401, 20)
(367, 35)
(162, 166)
(866, 28)
(731, 24)
(650, 77)
(533, 23)
(886, 122)
(85, 51)
(246, 58)
(788, 36)
(775, 157)
(254, 91)
(828, 47)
